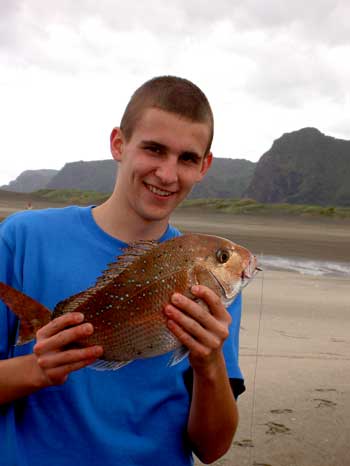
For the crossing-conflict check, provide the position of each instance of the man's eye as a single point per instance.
(189, 158)
(153, 149)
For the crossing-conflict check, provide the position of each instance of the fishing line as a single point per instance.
(256, 366)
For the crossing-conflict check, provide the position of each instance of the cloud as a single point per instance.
(289, 75)
(86, 33)
(68, 68)
(321, 21)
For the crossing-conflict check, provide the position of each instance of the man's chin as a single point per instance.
(154, 212)
(157, 214)
(156, 217)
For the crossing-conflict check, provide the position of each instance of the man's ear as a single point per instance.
(205, 165)
(116, 143)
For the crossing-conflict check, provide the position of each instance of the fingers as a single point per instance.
(62, 338)
(201, 331)
(217, 317)
(60, 323)
(188, 340)
(54, 359)
(69, 357)
(57, 366)
(213, 302)
(59, 375)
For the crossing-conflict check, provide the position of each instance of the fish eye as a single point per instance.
(222, 255)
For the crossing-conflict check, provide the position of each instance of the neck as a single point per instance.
(126, 226)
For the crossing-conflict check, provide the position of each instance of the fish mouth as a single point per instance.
(249, 272)
(246, 277)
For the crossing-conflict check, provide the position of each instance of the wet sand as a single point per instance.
(313, 238)
(295, 355)
(295, 345)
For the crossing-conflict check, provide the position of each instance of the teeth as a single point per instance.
(160, 192)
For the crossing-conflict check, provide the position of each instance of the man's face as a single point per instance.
(160, 164)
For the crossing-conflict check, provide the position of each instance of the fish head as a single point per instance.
(230, 265)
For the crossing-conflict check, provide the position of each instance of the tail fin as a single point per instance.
(31, 313)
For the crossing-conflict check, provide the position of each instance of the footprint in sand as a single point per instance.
(281, 411)
(276, 428)
(324, 390)
(289, 335)
(247, 442)
(325, 403)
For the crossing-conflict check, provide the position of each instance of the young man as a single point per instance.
(56, 410)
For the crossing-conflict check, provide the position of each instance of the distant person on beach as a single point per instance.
(53, 408)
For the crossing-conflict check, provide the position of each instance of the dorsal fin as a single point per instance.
(130, 254)
(123, 261)
(141, 245)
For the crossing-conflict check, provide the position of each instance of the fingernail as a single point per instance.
(88, 328)
(176, 298)
(195, 289)
(79, 317)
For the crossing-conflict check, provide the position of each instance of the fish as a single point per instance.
(126, 304)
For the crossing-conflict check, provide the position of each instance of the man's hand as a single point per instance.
(54, 359)
(202, 331)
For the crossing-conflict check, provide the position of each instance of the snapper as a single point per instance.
(125, 306)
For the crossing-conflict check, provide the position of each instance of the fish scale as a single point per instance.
(144, 315)
(126, 304)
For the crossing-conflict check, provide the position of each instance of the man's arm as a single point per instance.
(50, 363)
(213, 416)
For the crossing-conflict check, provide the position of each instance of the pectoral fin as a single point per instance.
(178, 355)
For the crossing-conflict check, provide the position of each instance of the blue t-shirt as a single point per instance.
(136, 416)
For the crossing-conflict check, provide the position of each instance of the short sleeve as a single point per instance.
(231, 348)
(231, 345)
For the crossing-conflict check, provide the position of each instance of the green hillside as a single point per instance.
(305, 167)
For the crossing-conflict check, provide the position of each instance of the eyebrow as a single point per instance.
(154, 144)
(164, 148)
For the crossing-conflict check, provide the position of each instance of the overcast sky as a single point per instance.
(68, 68)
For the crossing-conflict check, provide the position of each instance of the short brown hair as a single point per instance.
(171, 94)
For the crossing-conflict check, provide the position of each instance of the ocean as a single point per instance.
(305, 266)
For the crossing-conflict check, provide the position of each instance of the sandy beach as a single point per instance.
(295, 355)
(13, 202)
(294, 346)
(295, 341)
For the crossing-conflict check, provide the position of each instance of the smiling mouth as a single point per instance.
(159, 192)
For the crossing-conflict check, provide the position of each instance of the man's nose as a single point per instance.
(167, 171)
